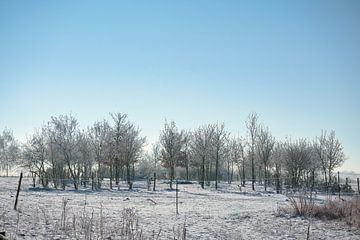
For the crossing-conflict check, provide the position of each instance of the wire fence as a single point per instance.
(341, 184)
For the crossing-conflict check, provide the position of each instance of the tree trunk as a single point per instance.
(252, 172)
(99, 175)
(228, 173)
(111, 175)
(216, 169)
(172, 173)
(128, 175)
(243, 174)
(202, 182)
(154, 182)
(232, 172)
(73, 176)
(86, 177)
(117, 173)
(208, 174)
(325, 178)
(265, 178)
(329, 179)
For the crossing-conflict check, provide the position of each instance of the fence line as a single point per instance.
(282, 184)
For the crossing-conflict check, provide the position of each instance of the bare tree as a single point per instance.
(187, 153)
(99, 135)
(329, 152)
(334, 153)
(172, 146)
(86, 155)
(219, 140)
(320, 152)
(56, 163)
(265, 146)
(297, 159)
(35, 155)
(9, 151)
(252, 126)
(236, 154)
(201, 147)
(155, 158)
(132, 145)
(65, 135)
(155, 152)
(118, 132)
(277, 159)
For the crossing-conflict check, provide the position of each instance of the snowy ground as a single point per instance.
(225, 213)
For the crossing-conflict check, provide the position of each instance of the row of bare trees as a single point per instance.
(213, 155)
(61, 150)
(114, 148)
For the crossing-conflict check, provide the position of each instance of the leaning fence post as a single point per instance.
(18, 191)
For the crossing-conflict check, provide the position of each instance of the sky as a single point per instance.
(295, 63)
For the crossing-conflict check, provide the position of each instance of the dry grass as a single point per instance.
(346, 210)
(89, 225)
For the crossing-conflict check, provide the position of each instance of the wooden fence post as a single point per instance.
(18, 191)
(358, 185)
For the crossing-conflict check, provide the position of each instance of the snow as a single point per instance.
(225, 213)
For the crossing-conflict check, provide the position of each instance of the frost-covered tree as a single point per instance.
(36, 155)
(118, 133)
(86, 156)
(277, 158)
(64, 135)
(9, 151)
(320, 153)
(252, 126)
(264, 148)
(236, 155)
(155, 156)
(334, 153)
(297, 158)
(201, 148)
(99, 135)
(329, 151)
(218, 144)
(172, 146)
(187, 153)
(132, 145)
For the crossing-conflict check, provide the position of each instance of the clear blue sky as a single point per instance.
(296, 63)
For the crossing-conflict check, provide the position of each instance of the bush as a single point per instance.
(301, 205)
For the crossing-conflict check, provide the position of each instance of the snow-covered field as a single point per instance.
(225, 213)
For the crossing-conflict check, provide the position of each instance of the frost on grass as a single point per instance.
(203, 214)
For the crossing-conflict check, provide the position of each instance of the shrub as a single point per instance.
(300, 205)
